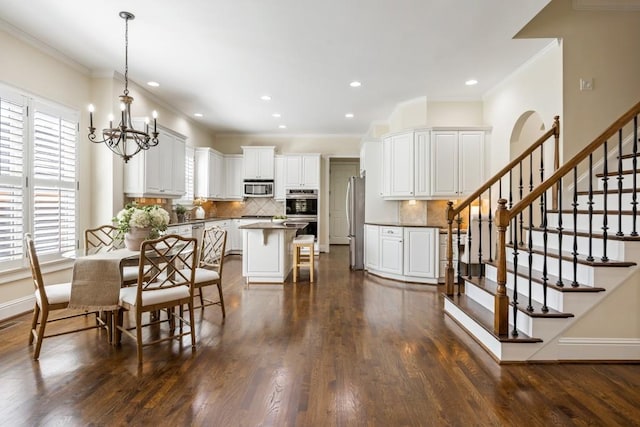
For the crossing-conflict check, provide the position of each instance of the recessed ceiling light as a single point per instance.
(153, 84)
(355, 83)
(349, 115)
(471, 82)
(265, 98)
(198, 114)
(282, 126)
(276, 115)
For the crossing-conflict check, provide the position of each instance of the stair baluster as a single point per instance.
(490, 228)
(510, 205)
(560, 229)
(530, 242)
(479, 236)
(460, 282)
(514, 332)
(605, 221)
(521, 188)
(575, 228)
(469, 247)
(542, 207)
(634, 162)
(545, 237)
(590, 205)
(620, 178)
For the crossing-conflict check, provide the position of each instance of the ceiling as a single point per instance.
(218, 57)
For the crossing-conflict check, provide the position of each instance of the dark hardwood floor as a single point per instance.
(348, 350)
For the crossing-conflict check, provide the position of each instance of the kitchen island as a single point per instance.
(266, 251)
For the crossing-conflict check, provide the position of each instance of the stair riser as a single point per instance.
(555, 299)
(612, 201)
(615, 248)
(627, 181)
(586, 275)
(583, 223)
(627, 164)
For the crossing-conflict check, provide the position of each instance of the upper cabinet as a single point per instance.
(258, 162)
(278, 181)
(433, 163)
(457, 162)
(233, 164)
(405, 172)
(302, 171)
(158, 171)
(210, 174)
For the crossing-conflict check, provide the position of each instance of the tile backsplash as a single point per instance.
(250, 206)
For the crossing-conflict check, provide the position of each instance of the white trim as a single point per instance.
(16, 307)
(598, 348)
(607, 5)
(290, 135)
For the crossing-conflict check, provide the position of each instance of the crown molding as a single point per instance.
(607, 5)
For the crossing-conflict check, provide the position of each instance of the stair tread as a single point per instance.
(536, 276)
(628, 156)
(484, 318)
(491, 287)
(615, 173)
(567, 256)
(569, 233)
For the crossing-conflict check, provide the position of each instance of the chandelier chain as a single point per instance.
(126, 56)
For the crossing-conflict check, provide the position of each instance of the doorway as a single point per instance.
(339, 172)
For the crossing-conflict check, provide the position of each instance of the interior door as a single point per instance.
(338, 177)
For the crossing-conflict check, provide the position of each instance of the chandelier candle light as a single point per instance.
(124, 140)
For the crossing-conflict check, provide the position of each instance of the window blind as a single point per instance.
(189, 173)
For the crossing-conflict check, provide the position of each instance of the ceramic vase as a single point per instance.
(133, 238)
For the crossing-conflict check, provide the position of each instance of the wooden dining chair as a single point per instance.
(209, 270)
(105, 236)
(49, 298)
(165, 281)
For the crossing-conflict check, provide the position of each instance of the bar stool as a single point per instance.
(300, 259)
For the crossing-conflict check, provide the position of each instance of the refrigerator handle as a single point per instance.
(348, 206)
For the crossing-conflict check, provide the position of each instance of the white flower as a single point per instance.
(153, 217)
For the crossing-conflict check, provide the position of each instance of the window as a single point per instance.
(38, 188)
(189, 159)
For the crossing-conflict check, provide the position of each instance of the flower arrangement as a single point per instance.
(133, 216)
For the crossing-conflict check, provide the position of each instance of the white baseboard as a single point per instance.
(16, 307)
(599, 349)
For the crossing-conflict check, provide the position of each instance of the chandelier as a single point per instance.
(125, 140)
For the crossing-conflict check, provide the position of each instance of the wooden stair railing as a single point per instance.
(506, 216)
(455, 213)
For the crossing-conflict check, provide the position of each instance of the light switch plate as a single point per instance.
(586, 84)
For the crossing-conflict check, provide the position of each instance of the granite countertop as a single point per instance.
(217, 218)
(264, 225)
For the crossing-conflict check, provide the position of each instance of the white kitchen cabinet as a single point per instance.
(302, 171)
(233, 164)
(234, 238)
(421, 252)
(258, 162)
(210, 174)
(457, 162)
(371, 247)
(406, 173)
(278, 180)
(158, 171)
(391, 250)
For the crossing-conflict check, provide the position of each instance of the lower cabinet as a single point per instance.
(402, 253)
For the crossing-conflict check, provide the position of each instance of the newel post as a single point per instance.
(448, 277)
(501, 304)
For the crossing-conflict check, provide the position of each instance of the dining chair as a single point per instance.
(49, 298)
(105, 236)
(165, 281)
(209, 270)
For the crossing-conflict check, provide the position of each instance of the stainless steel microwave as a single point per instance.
(258, 189)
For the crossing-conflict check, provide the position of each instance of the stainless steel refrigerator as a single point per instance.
(355, 221)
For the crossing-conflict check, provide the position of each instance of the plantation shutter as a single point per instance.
(189, 173)
(12, 161)
(54, 180)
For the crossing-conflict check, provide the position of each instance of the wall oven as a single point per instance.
(301, 205)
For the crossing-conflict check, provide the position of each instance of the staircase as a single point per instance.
(562, 256)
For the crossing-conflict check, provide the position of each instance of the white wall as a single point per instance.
(536, 86)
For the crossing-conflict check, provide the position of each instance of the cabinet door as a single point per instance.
(251, 163)
(233, 182)
(154, 165)
(311, 171)
(422, 172)
(444, 163)
(421, 252)
(201, 184)
(402, 165)
(265, 163)
(371, 247)
(178, 167)
(219, 176)
(391, 250)
(292, 171)
(386, 167)
(278, 180)
(471, 161)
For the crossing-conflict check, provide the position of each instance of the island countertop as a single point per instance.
(268, 225)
